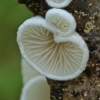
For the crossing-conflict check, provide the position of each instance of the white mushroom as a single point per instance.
(56, 57)
(58, 3)
(27, 71)
(36, 89)
(63, 21)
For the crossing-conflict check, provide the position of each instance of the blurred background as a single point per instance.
(12, 15)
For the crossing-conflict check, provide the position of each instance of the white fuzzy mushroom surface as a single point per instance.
(36, 89)
(58, 3)
(62, 20)
(54, 56)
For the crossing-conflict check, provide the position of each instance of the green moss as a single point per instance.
(11, 16)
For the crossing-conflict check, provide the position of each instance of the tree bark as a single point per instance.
(87, 15)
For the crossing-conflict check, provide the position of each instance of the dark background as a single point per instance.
(12, 15)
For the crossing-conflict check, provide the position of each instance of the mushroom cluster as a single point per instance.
(52, 47)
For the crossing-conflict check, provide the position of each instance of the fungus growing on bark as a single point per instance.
(56, 57)
(82, 87)
(36, 89)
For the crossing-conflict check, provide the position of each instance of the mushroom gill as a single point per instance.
(60, 61)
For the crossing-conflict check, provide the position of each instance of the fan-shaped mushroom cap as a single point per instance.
(63, 21)
(53, 56)
(58, 3)
(27, 71)
(36, 89)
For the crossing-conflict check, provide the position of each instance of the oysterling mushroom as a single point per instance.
(36, 89)
(62, 20)
(58, 3)
(54, 56)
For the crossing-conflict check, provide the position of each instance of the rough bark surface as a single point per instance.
(87, 15)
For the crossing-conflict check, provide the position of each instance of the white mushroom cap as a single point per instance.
(36, 89)
(27, 71)
(62, 20)
(58, 3)
(55, 57)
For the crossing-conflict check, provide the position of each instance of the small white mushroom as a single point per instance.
(63, 21)
(36, 89)
(58, 3)
(27, 71)
(56, 57)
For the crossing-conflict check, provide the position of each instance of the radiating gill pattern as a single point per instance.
(58, 1)
(55, 59)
